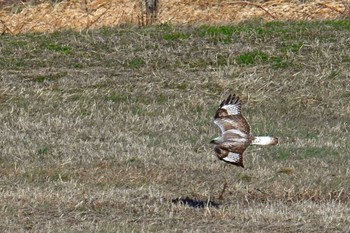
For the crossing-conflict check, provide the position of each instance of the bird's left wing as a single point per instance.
(229, 116)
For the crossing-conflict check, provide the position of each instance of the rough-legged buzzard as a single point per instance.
(236, 136)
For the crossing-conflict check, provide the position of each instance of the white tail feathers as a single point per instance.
(265, 140)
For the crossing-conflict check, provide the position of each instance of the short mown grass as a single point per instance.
(109, 130)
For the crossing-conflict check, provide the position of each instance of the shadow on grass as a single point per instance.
(195, 203)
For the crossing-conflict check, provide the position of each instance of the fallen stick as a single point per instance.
(256, 5)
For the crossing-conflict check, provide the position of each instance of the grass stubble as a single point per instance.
(108, 130)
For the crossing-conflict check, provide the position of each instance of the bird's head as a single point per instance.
(217, 140)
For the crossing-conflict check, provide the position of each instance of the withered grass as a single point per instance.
(19, 17)
(109, 130)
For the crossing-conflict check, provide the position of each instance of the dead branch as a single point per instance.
(330, 7)
(255, 5)
(6, 28)
(97, 18)
(346, 12)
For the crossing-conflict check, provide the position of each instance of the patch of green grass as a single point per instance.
(78, 65)
(317, 152)
(176, 36)
(284, 153)
(19, 43)
(346, 59)
(198, 63)
(312, 135)
(304, 153)
(222, 60)
(252, 57)
(106, 31)
(136, 63)
(282, 30)
(293, 47)
(117, 98)
(49, 77)
(139, 111)
(43, 150)
(162, 99)
(333, 75)
(133, 161)
(222, 34)
(245, 178)
(55, 47)
(181, 86)
(338, 24)
(20, 63)
(226, 30)
(279, 63)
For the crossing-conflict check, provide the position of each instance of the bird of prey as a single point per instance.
(235, 129)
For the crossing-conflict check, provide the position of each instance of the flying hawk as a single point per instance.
(235, 129)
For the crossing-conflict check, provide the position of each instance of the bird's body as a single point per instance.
(235, 129)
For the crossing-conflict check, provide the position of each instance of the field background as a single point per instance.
(18, 16)
(108, 129)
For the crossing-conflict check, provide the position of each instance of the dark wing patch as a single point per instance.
(229, 107)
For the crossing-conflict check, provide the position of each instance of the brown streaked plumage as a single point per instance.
(235, 129)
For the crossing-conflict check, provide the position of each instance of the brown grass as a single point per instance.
(48, 16)
(109, 130)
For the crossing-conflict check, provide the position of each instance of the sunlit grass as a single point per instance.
(109, 130)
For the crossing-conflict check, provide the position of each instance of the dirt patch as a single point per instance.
(48, 16)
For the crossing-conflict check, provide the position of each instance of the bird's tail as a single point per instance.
(264, 140)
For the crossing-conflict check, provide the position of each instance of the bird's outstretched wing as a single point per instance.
(229, 116)
(235, 131)
(231, 152)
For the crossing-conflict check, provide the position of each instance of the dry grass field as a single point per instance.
(23, 16)
(108, 130)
